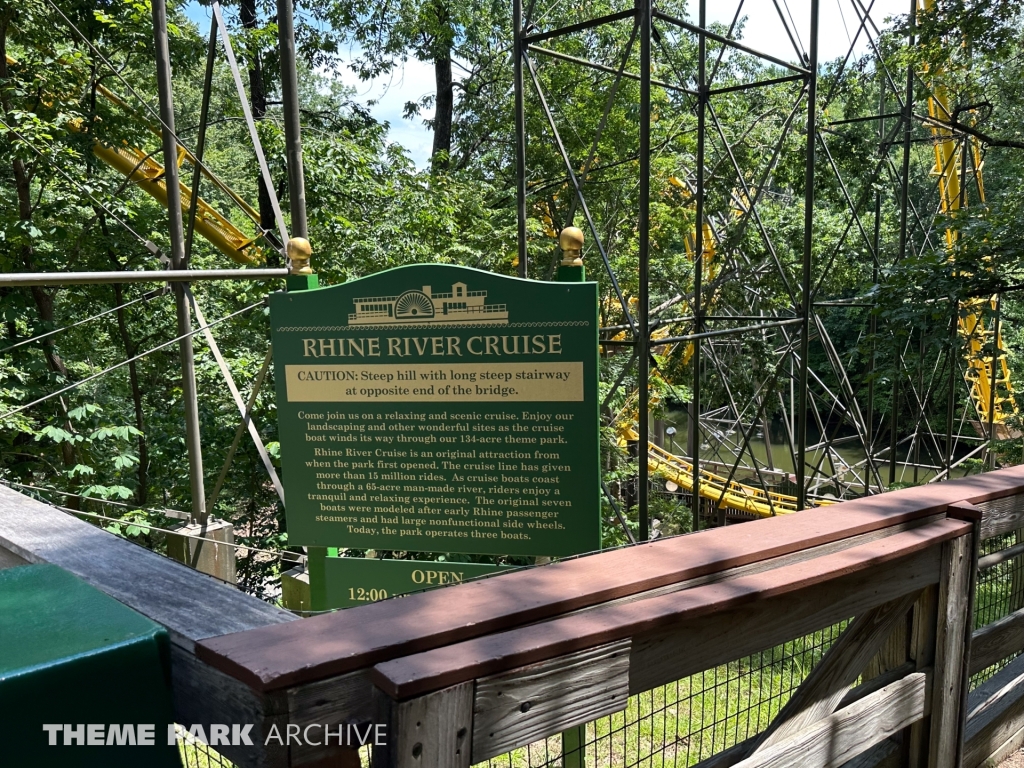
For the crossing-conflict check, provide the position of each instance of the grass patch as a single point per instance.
(195, 754)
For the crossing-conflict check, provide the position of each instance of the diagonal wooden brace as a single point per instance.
(820, 694)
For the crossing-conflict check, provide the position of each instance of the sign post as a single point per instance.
(571, 271)
(436, 408)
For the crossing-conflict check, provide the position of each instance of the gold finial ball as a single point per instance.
(299, 252)
(570, 240)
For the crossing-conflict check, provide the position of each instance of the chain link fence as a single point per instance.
(1000, 592)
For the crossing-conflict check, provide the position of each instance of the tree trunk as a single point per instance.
(43, 299)
(130, 350)
(444, 109)
(22, 183)
(258, 103)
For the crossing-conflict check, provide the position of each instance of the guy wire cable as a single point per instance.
(123, 363)
(144, 297)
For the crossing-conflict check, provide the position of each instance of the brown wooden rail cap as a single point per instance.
(279, 656)
(964, 511)
(422, 673)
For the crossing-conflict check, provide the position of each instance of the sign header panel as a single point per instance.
(441, 409)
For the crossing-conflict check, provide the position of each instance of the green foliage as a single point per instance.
(120, 437)
(950, 36)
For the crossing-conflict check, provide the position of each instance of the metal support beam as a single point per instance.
(698, 263)
(908, 127)
(204, 116)
(292, 123)
(243, 409)
(645, 10)
(993, 378)
(517, 68)
(24, 279)
(812, 406)
(178, 261)
(805, 277)
(951, 389)
(869, 424)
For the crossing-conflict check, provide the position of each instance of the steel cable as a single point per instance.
(123, 363)
(144, 297)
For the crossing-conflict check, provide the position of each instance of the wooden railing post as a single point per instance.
(431, 731)
(922, 654)
(194, 544)
(946, 731)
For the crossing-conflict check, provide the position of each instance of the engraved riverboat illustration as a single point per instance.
(460, 305)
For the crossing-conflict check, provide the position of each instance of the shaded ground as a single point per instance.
(1016, 760)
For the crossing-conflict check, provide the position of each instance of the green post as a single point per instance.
(302, 282)
(302, 278)
(573, 740)
(317, 568)
(571, 270)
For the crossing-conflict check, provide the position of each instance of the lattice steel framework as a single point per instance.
(754, 283)
(760, 286)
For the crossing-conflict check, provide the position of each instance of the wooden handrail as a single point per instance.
(275, 657)
(422, 673)
(631, 619)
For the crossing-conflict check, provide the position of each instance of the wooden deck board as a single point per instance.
(190, 604)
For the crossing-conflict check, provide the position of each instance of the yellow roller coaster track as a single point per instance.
(148, 175)
(953, 197)
(724, 492)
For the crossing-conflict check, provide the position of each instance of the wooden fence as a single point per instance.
(470, 672)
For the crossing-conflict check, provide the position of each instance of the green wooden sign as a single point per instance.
(353, 581)
(437, 408)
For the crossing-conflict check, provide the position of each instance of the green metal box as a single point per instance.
(72, 656)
